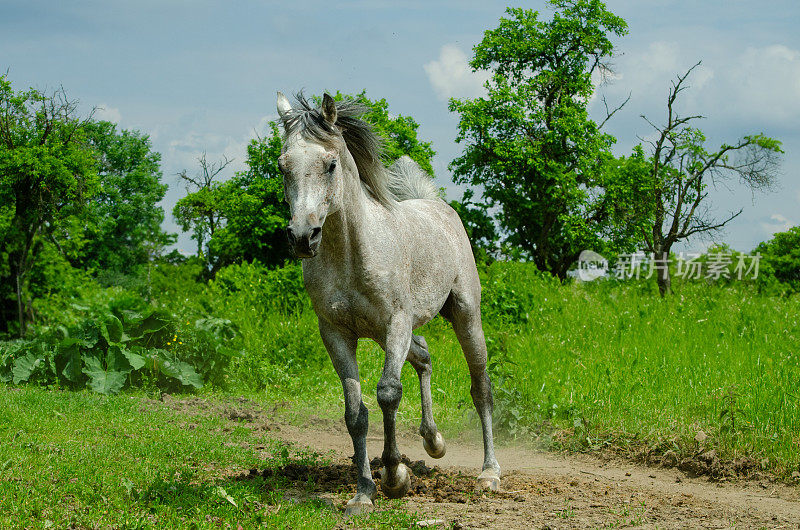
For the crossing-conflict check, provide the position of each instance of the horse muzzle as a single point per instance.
(304, 242)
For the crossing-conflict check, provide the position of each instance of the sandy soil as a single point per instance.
(539, 490)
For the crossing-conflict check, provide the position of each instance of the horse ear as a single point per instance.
(284, 107)
(328, 109)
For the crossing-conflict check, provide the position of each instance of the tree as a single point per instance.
(125, 219)
(480, 227)
(681, 173)
(254, 210)
(47, 173)
(201, 209)
(244, 217)
(626, 196)
(530, 142)
(780, 259)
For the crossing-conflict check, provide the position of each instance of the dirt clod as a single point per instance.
(700, 437)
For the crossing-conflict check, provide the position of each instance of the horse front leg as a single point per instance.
(395, 478)
(341, 348)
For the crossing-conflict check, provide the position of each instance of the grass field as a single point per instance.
(593, 367)
(80, 460)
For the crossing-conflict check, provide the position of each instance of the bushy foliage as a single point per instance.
(254, 210)
(780, 261)
(278, 290)
(111, 338)
(77, 198)
(123, 219)
(512, 292)
(480, 227)
(47, 174)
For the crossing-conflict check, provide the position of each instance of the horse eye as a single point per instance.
(332, 166)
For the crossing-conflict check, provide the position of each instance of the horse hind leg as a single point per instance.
(420, 359)
(466, 319)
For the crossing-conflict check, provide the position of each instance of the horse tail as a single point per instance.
(407, 180)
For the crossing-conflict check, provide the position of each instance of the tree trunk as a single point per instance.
(663, 276)
(20, 306)
(19, 263)
(664, 283)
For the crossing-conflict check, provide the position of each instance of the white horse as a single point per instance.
(391, 256)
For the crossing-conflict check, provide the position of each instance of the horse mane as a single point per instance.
(364, 144)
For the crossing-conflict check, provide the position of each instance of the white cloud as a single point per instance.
(184, 151)
(766, 84)
(648, 73)
(776, 223)
(740, 89)
(758, 85)
(451, 76)
(107, 113)
(660, 57)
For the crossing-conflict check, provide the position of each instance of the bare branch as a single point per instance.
(610, 114)
(705, 226)
(681, 170)
(208, 172)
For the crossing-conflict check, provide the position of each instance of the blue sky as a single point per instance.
(201, 76)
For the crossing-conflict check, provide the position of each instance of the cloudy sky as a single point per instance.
(201, 76)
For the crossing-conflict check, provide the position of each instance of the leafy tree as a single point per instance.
(125, 231)
(530, 142)
(681, 173)
(780, 258)
(201, 210)
(480, 227)
(243, 218)
(254, 210)
(47, 173)
(626, 200)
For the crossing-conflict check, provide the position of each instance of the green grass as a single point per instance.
(580, 367)
(80, 460)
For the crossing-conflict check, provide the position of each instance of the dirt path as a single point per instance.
(542, 490)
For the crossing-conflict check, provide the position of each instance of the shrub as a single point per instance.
(111, 338)
(255, 285)
(512, 290)
(780, 260)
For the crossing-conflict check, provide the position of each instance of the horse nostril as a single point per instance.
(315, 233)
(290, 235)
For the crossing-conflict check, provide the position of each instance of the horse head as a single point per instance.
(313, 175)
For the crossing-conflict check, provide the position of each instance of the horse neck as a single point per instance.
(344, 229)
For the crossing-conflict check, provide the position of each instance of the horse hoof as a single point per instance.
(437, 449)
(400, 485)
(358, 504)
(489, 480)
